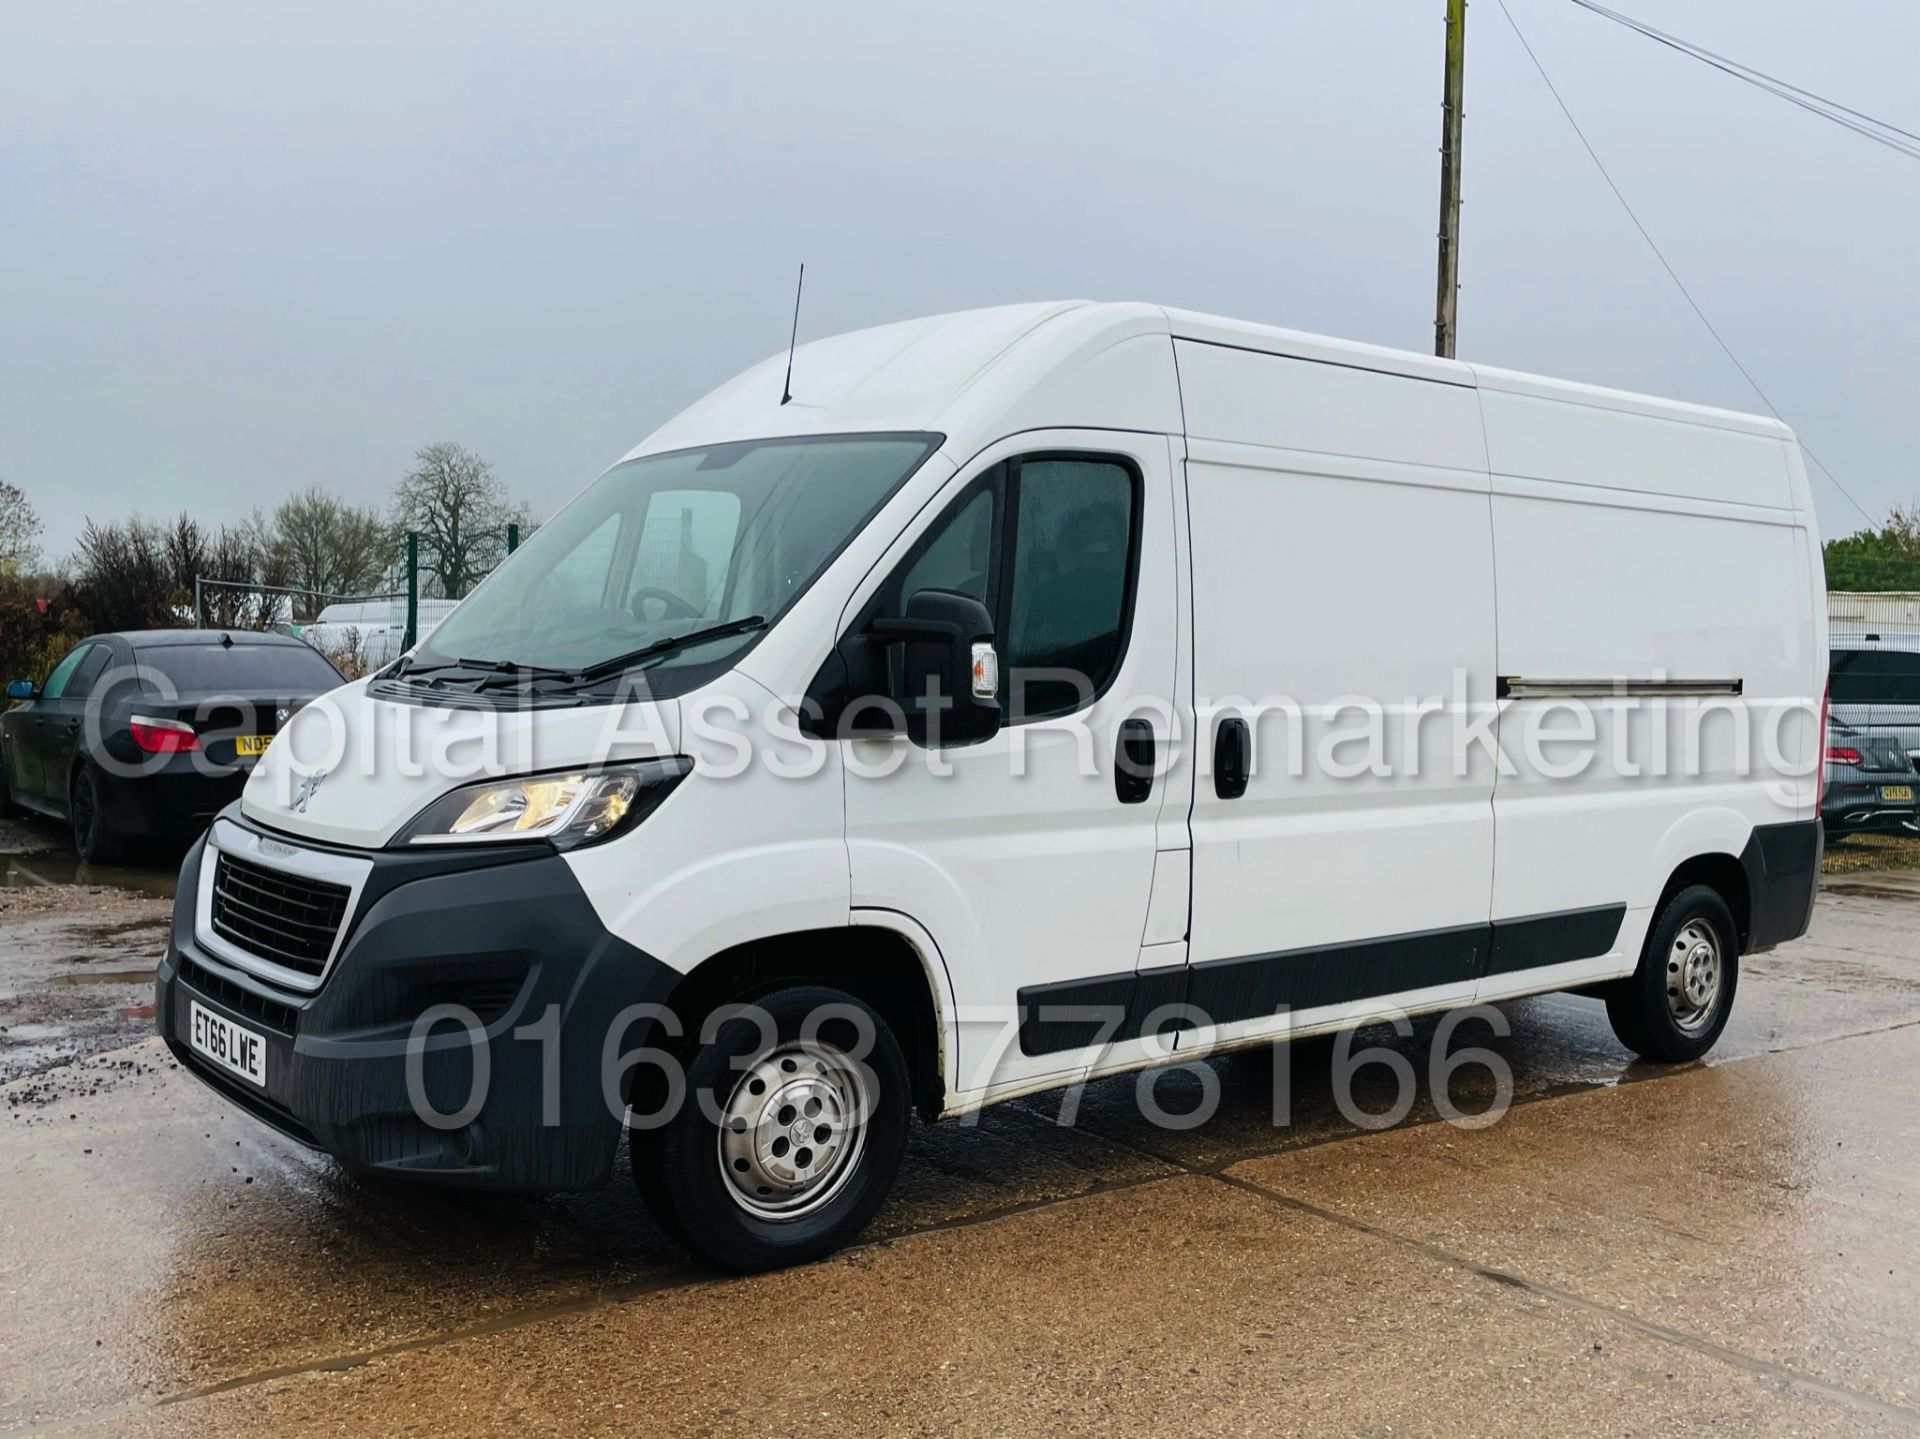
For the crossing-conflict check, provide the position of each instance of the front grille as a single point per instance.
(269, 1012)
(285, 919)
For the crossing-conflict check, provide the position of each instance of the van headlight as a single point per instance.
(567, 809)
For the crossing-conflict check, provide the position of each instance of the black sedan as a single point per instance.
(1871, 786)
(148, 734)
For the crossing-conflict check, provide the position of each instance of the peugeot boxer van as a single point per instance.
(1013, 698)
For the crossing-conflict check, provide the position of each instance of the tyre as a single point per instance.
(789, 1135)
(93, 834)
(8, 809)
(1673, 1007)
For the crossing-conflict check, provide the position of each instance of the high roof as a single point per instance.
(1067, 363)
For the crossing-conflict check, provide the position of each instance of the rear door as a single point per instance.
(1031, 857)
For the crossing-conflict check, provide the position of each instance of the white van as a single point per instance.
(373, 630)
(1043, 692)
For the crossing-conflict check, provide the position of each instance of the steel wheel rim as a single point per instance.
(793, 1129)
(1696, 971)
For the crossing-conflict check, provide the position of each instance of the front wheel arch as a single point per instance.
(878, 965)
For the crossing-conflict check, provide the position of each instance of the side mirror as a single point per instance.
(951, 672)
(20, 690)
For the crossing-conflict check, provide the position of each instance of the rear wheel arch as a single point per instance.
(1725, 874)
(875, 963)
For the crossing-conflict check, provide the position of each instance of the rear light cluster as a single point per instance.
(163, 736)
(1842, 754)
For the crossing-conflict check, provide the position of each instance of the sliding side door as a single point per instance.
(1342, 587)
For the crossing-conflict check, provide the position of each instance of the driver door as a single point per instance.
(41, 729)
(1030, 857)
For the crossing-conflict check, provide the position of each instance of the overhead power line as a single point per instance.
(1881, 132)
(1660, 255)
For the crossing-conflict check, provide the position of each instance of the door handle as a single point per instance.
(1133, 761)
(1232, 757)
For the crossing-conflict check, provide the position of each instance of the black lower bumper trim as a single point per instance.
(1782, 862)
(515, 943)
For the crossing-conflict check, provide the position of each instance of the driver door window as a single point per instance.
(1050, 545)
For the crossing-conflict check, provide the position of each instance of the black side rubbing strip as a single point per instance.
(1554, 938)
(1075, 1013)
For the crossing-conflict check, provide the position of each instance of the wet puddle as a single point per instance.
(41, 867)
(105, 976)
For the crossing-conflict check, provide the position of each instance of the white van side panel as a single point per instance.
(1579, 436)
(1341, 552)
(1635, 542)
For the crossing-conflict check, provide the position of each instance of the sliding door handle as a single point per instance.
(1232, 757)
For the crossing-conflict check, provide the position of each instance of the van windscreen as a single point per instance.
(1857, 677)
(669, 544)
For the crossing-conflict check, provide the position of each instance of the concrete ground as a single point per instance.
(1729, 1246)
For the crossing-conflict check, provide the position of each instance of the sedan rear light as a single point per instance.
(1842, 754)
(163, 736)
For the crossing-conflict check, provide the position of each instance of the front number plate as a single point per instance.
(1896, 792)
(234, 1048)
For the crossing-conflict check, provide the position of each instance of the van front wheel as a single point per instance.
(1673, 1007)
(789, 1135)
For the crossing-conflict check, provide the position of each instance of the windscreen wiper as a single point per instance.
(490, 673)
(514, 667)
(634, 658)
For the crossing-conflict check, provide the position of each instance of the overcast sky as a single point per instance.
(242, 253)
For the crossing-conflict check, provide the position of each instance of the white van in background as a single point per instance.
(373, 632)
(1119, 683)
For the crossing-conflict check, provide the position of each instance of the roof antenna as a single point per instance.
(786, 388)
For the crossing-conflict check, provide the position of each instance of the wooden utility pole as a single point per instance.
(1448, 290)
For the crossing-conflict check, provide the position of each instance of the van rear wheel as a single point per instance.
(1673, 1007)
(789, 1135)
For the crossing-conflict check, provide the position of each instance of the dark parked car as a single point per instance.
(150, 733)
(1871, 786)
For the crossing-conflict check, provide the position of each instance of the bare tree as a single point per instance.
(460, 508)
(139, 574)
(326, 547)
(20, 531)
(121, 577)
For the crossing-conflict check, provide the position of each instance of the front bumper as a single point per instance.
(512, 938)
